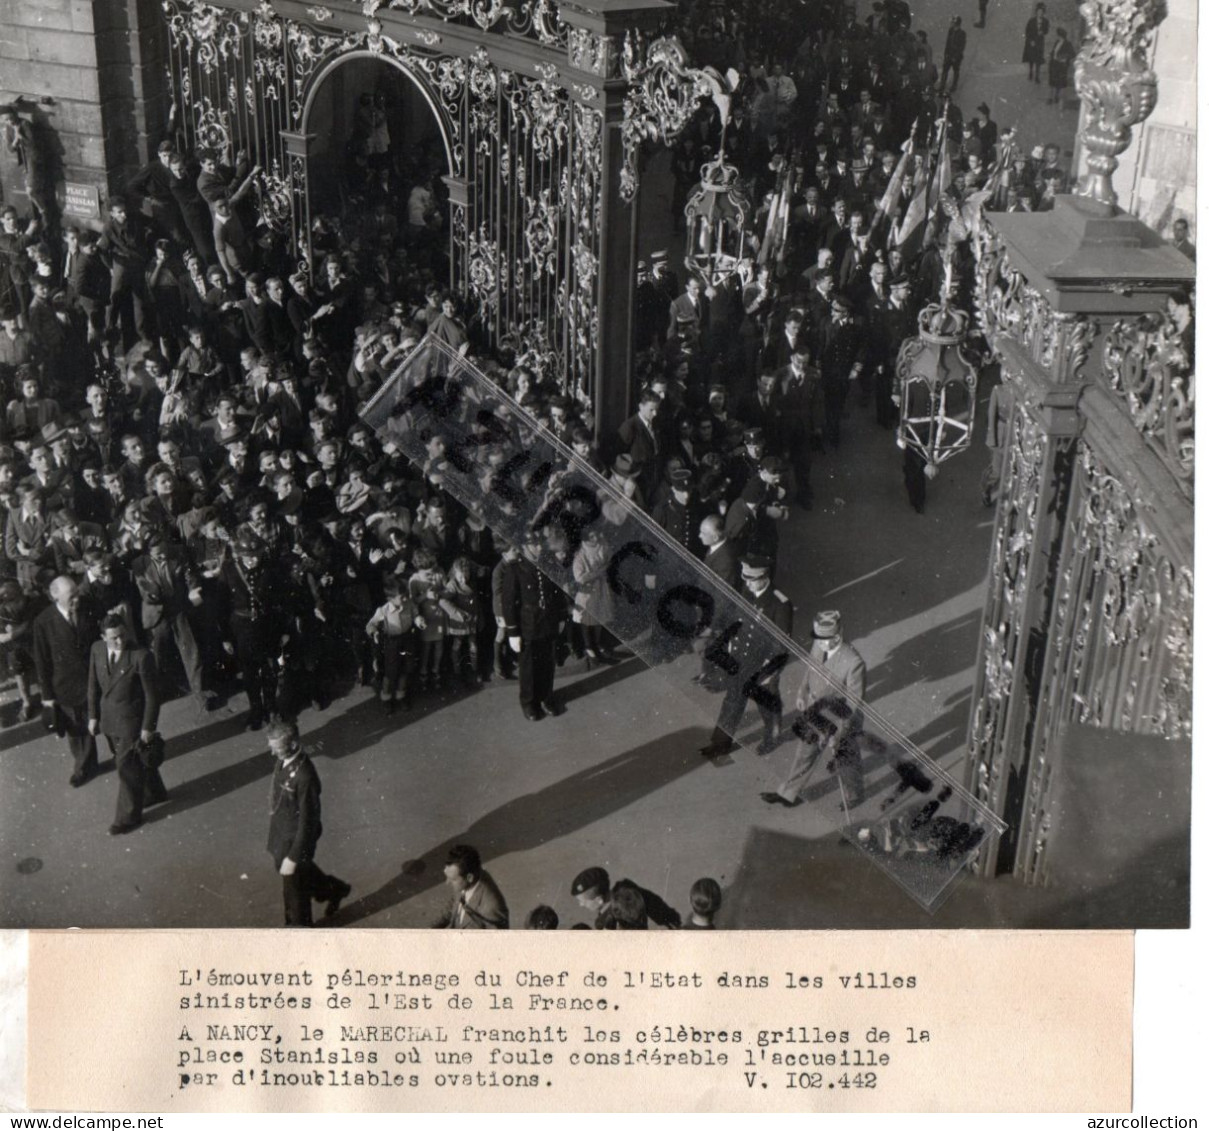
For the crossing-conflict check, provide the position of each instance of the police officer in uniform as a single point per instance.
(744, 465)
(535, 612)
(255, 594)
(749, 677)
(678, 514)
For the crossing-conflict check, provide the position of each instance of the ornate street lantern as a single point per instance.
(937, 381)
(717, 215)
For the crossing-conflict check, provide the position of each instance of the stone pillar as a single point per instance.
(598, 29)
(89, 75)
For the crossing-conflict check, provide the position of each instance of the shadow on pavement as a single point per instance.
(556, 811)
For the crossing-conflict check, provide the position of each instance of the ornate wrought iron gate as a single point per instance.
(530, 101)
(1089, 609)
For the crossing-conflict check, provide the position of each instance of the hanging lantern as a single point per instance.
(937, 379)
(717, 215)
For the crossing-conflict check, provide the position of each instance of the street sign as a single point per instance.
(82, 200)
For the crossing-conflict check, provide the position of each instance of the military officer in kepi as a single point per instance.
(830, 700)
(752, 667)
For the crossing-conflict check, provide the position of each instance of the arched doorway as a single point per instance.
(375, 133)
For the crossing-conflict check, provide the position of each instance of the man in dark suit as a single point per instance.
(801, 390)
(124, 705)
(638, 438)
(85, 277)
(721, 554)
(294, 830)
(688, 317)
(535, 612)
(62, 637)
(761, 408)
(122, 248)
(478, 903)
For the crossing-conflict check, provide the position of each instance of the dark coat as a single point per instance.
(125, 700)
(295, 826)
(533, 606)
(724, 561)
(748, 645)
(61, 655)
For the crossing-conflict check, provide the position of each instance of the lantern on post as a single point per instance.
(717, 215)
(718, 209)
(937, 381)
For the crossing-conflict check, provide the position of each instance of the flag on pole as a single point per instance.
(908, 232)
(889, 199)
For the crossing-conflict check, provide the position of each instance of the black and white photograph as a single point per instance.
(609, 465)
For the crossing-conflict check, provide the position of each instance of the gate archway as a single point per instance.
(414, 124)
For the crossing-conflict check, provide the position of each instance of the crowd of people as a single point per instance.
(192, 496)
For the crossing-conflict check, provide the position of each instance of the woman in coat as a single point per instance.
(1061, 55)
(1035, 32)
(594, 607)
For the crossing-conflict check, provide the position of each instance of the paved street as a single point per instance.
(616, 781)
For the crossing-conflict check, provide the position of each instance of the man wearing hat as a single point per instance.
(830, 699)
(253, 589)
(594, 893)
(744, 465)
(677, 513)
(535, 613)
(897, 323)
(624, 476)
(649, 305)
(751, 520)
(664, 278)
(750, 655)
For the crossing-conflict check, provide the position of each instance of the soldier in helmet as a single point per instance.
(254, 589)
(750, 664)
